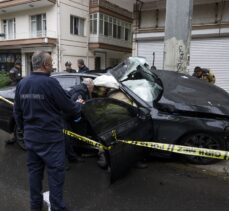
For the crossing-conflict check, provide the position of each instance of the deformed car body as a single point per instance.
(149, 105)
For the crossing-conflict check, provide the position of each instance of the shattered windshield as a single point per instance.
(135, 74)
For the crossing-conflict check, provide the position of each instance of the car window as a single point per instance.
(104, 114)
(138, 78)
(68, 81)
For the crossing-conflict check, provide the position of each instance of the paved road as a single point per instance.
(164, 186)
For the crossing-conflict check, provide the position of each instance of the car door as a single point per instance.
(106, 115)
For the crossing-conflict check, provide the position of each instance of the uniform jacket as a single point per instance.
(83, 69)
(39, 104)
(79, 91)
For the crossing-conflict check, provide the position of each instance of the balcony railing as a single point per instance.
(109, 6)
(36, 34)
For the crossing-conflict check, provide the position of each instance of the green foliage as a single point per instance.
(4, 79)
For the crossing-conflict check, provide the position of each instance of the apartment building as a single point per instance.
(210, 35)
(97, 31)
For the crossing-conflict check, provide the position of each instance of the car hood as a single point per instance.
(8, 92)
(186, 93)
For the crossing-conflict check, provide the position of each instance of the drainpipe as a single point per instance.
(138, 13)
(221, 16)
(58, 36)
(88, 38)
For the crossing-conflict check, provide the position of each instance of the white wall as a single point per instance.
(74, 47)
(22, 19)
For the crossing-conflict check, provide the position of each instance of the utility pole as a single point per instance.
(178, 27)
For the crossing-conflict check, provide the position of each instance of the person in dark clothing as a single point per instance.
(15, 73)
(68, 66)
(39, 104)
(82, 91)
(204, 74)
(82, 67)
(78, 92)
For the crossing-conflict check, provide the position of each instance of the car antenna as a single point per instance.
(153, 66)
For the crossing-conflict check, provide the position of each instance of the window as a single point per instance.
(139, 79)
(110, 27)
(105, 114)
(106, 23)
(76, 25)
(93, 23)
(9, 28)
(114, 29)
(119, 31)
(127, 32)
(38, 25)
(101, 24)
(67, 82)
(110, 34)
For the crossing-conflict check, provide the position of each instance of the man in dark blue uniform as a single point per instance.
(15, 73)
(40, 102)
(78, 92)
(83, 90)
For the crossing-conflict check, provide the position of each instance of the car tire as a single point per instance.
(19, 138)
(201, 140)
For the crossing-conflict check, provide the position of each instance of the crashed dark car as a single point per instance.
(148, 105)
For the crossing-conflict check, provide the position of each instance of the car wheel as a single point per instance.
(19, 138)
(201, 140)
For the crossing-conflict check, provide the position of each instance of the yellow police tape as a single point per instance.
(5, 100)
(185, 150)
(86, 140)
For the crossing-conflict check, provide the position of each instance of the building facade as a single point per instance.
(210, 35)
(97, 31)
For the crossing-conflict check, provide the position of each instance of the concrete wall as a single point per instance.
(202, 14)
(74, 47)
(114, 55)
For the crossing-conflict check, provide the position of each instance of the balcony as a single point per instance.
(107, 43)
(109, 33)
(10, 6)
(110, 9)
(24, 39)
